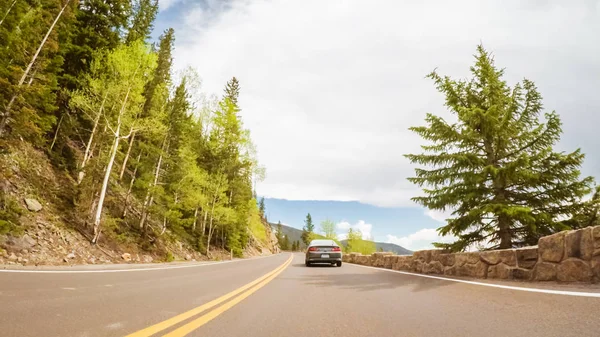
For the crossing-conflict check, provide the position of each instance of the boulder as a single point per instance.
(33, 205)
(71, 256)
(478, 270)
(126, 257)
(433, 267)
(403, 262)
(506, 256)
(527, 257)
(188, 257)
(500, 271)
(522, 274)
(417, 266)
(18, 244)
(447, 259)
(579, 244)
(466, 258)
(574, 270)
(388, 261)
(544, 271)
(596, 239)
(552, 247)
(596, 268)
(422, 255)
(12, 257)
(450, 271)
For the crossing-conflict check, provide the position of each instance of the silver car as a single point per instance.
(323, 251)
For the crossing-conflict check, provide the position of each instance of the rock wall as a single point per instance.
(569, 256)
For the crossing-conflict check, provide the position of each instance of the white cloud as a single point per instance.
(328, 88)
(422, 239)
(361, 226)
(440, 216)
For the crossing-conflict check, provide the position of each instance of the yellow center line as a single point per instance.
(149, 331)
(198, 322)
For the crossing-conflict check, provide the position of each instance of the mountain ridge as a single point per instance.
(295, 234)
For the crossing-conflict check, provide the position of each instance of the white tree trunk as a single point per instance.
(124, 166)
(88, 147)
(204, 222)
(149, 195)
(133, 175)
(7, 11)
(113, 153)
(164, 226)
(6, 115)
(195, 220)
(111, 161)
(56, 133)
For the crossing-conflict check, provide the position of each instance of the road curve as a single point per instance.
(279, 296)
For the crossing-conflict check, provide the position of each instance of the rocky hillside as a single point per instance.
(41, 225)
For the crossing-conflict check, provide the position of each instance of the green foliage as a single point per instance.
(261, 207)
(169, 257)
(144, 13)
(10, 211)
(356, 244)
(255, 224)
(308, 230)
(495, 167)
(328, 229)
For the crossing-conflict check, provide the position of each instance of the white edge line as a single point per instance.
(127, 270)
(533, 290)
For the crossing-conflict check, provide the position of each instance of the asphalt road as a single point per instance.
(278, 296)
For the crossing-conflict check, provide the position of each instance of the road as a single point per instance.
(278, 296)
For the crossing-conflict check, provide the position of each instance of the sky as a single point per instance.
(329, 89)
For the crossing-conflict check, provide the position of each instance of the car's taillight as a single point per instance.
(337, 249)
(312, 249)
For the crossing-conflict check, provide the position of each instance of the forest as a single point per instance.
(144, 150)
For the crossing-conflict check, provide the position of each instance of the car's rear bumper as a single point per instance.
(318, 257)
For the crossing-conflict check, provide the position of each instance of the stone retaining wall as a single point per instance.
(569, 256)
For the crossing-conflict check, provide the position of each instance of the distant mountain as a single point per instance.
(296, 235)
(388, 247)
(292, 233)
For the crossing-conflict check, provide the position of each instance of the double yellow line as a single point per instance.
(200, 321)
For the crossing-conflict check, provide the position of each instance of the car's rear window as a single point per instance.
(323, 243)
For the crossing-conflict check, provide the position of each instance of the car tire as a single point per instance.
(339, 263)
(307, 263)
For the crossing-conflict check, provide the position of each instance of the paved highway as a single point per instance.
(278, 296)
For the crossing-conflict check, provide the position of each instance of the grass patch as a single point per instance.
(169, 257)
(10, 211)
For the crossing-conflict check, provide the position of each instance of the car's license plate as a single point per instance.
(324, 256)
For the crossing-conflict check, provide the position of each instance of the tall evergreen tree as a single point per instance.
(144, 13)
(232, 90)
(99, 25)
(495, 167)
(308, 230)
(261, 206)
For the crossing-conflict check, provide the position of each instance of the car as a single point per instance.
(323, 251)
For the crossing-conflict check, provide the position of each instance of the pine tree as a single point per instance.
(144, 13)
(98, 26)
(261, 206)
(285, 243)
(31, 60)
(279, 232)
(495, 168)
(308, 230)
(232, 91)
